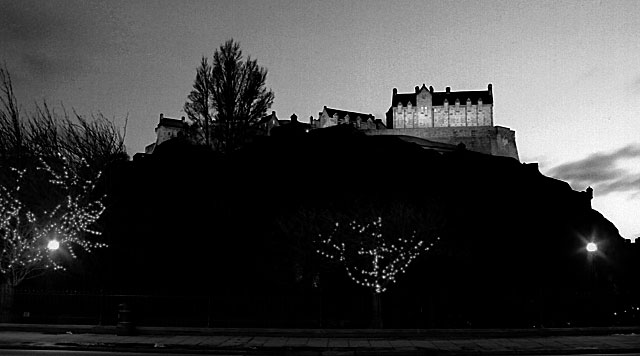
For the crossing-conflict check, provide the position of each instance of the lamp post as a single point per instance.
(592, 249)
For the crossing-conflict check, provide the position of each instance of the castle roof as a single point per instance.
(405, 99)
(438, 98)
(169, 122)
(352, 114)
(267, 118)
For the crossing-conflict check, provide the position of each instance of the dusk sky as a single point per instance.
(565, 74)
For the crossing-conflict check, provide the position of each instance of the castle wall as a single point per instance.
(493, 140)
(442, 116)
(166, 133)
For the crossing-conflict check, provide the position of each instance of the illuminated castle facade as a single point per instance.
(450, 117)
(426, 108)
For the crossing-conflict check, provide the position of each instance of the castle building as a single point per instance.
(166, 130)
(426, 108)
(270, 124)
(169, 129)
(331, 117)
(450, 117)
(434, 120)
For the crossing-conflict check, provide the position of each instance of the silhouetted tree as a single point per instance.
(373, 239)
(49, 167)
(372, 256)
(228, 98)
(44, 134)
(26, 233)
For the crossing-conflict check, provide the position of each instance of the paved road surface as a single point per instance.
(82, 353)
(106, 353)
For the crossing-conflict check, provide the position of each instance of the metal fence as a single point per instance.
(65, 307)
(314, 310)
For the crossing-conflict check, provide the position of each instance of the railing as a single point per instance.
(312, 311)
(162, 310)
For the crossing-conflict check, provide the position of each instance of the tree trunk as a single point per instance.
(7, 292)
(376, 311)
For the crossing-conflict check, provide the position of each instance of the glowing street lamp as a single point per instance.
(53, 245)
(592, 247)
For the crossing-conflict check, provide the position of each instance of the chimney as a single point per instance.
(273, 113)
(294, 118)
(417, 89)
(448, 89)
(311, 120)
(395, 91)
(182, 118)
(490, 87)
(430, 89)
(161, 116)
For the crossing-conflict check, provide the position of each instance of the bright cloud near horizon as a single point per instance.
(565, 74)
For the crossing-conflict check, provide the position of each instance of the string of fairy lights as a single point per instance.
(26, 236)
(371, 259)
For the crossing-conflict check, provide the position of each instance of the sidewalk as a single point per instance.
(324, 342)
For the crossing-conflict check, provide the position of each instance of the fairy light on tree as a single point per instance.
(49, 205)
(371, 259)
(29, 233)
(372, 256)
(29, 236)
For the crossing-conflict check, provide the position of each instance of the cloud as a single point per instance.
(48, 67)
(602, 171)
(53, 40)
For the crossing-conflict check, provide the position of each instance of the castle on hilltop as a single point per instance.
(462, 117)
(425, 108)
(426, 117)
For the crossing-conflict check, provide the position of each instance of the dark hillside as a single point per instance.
(512, 250)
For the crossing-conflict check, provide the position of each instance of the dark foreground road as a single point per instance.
(83, 353)
(48, 340)
(105, 353)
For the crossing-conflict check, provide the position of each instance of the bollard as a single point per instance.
(125, 325)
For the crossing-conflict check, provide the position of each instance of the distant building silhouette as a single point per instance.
(267, 123)
(331, 117)
(291, 127)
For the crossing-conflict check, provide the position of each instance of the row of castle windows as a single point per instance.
(446, 104)
(423, 109)
(441, 117)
